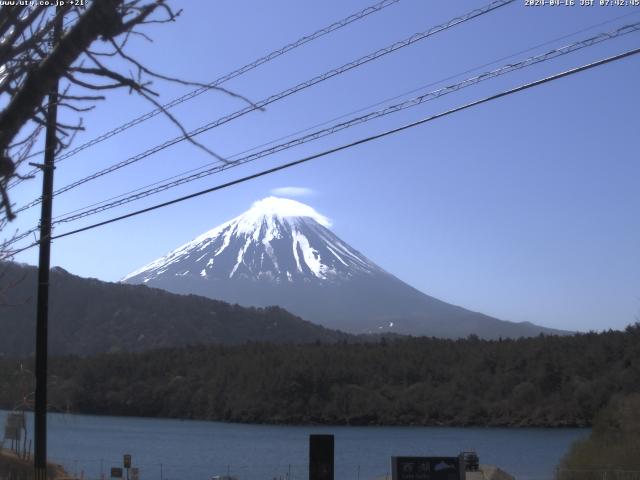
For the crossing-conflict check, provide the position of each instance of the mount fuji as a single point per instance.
(282, 252)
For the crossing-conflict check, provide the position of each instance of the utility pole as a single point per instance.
(42, 320)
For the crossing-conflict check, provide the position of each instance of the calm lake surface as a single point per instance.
(197, 450)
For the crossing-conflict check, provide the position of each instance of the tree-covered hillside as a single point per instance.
(88, 316)
(543, 381)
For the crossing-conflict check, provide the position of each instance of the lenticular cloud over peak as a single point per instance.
(293, 191)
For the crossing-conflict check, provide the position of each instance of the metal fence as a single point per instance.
(100, 469)
(597, 474)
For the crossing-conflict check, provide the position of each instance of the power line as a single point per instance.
(386, 133)
(396, 97)
(225, 78)
(361, 141)
(21, 236)
(353, 112)
(217, 168)
(283, 94)
(86, 211)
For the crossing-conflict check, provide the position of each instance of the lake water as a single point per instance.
(197, 450)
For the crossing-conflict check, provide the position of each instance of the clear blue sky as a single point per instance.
(526, 208)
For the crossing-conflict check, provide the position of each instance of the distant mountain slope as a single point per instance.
(89, 316)
(281, 252)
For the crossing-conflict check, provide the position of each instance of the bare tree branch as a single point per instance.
(89, 56)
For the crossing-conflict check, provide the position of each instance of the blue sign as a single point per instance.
(427, 468)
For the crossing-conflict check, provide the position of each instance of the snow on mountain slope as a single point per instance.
(277, 239)
(282, 252)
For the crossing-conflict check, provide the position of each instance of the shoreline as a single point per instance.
(268, 423)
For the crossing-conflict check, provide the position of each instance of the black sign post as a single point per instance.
(321, 454)
(427, 468)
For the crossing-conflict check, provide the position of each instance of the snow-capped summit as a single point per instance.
(282, 252)
(277, 239)
(281, 208)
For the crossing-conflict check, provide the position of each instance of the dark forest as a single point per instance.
(541, 381)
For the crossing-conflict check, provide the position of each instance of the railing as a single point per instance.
(100, 469)
(597, 474)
